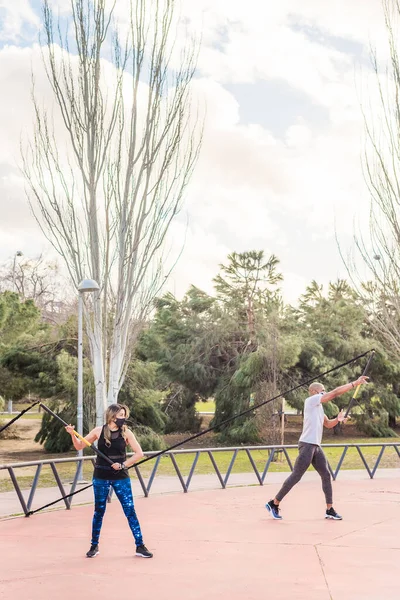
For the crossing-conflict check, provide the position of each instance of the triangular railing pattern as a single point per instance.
(185, 482)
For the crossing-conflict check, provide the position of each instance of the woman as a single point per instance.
(113, 438)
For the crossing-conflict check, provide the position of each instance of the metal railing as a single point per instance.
(185, 482)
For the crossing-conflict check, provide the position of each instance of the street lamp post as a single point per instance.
(85, 286)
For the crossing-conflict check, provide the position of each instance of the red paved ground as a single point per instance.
(214, 545)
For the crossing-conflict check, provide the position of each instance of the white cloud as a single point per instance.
(252, 189)
(203, 253)
(18, 20)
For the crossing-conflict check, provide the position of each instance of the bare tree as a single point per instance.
(39, 280)
(106, 198)
(378, 279)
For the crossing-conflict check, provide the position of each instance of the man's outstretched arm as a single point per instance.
(339, 391)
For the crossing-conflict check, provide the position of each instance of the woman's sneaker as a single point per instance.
(332, 514)
(273, 509)
(94, 550)
(143, 552)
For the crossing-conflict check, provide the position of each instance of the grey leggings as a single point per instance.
(309, 454)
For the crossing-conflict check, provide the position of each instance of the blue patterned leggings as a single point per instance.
(123, 491)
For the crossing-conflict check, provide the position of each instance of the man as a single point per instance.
(310, 451)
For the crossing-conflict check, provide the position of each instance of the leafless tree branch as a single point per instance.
(106, 197)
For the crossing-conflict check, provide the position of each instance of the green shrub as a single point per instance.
(52, 433)
(242, 434)
(376, 426)
(148, 439)
(180, 408)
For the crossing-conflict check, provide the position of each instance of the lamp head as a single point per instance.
(88, 285)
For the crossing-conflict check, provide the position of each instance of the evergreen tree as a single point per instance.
(228, 347)
(181, 340)
(334, 329)
(21, 326)
(248, 287)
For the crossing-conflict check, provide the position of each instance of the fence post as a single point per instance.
(10, 407)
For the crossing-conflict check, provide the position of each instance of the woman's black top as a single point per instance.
(116, 452)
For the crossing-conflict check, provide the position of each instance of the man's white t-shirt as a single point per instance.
(313, 420)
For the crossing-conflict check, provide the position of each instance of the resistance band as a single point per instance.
(304, 383)
(248, 410)
(18, 416)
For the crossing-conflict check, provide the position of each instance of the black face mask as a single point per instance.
(120, 422)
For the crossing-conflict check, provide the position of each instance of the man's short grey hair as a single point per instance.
(316, 388)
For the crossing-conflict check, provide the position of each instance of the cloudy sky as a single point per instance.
(280, 166)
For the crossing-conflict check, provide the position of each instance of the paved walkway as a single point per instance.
(10, 505)
(218, 544)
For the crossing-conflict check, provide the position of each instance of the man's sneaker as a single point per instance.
(332, 514)
(142, 551)
(273, 509)
(94, 550)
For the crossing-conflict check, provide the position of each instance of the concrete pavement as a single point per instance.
(216, 544)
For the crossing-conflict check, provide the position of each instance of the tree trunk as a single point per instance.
(94, 332)
(115, 370)
(99, 379)
(267, 417)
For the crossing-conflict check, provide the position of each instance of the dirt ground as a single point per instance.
(25, 448)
